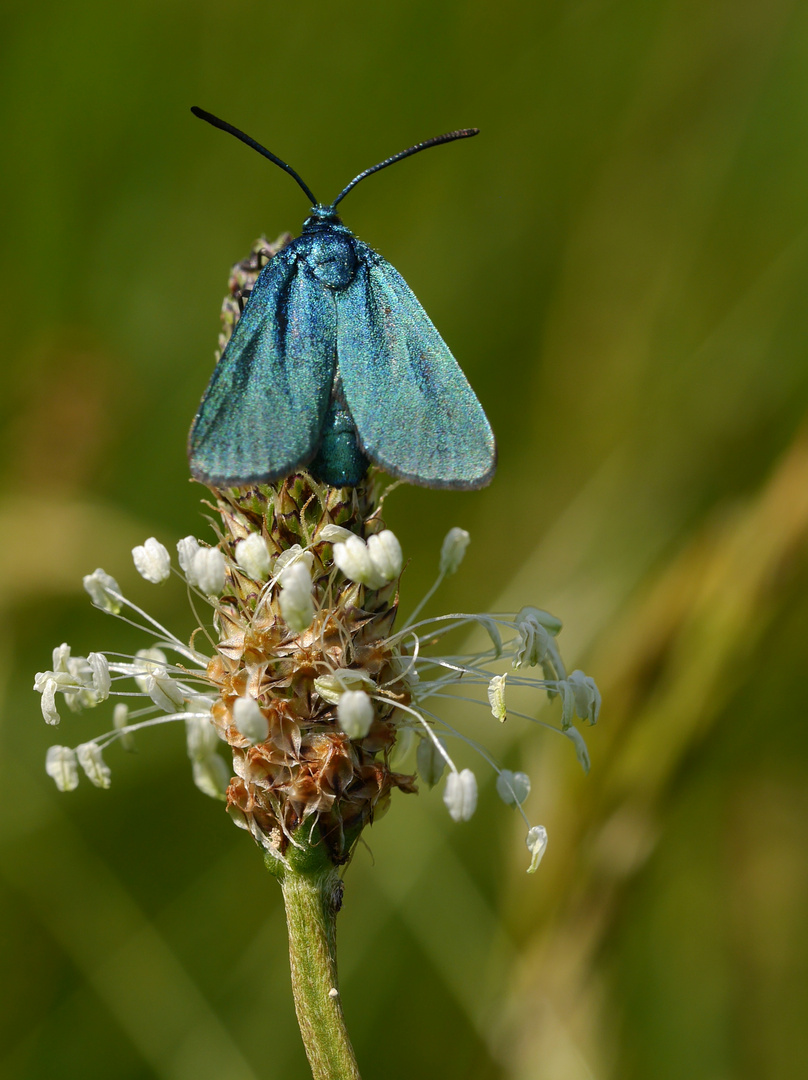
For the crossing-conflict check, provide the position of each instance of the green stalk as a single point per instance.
(312, 891)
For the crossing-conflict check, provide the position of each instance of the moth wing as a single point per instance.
(264, 408)
(415, 413)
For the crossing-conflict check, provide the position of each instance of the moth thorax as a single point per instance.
(331, 258)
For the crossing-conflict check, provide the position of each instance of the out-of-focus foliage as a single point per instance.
(620, 262)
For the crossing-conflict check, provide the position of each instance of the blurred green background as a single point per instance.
(620, 262)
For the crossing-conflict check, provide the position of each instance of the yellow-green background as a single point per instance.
(620, 262)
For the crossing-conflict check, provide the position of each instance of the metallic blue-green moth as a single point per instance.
(334, 364)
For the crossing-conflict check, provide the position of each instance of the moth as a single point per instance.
(334, 364)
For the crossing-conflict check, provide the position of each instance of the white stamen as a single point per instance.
(146, 662)
(534, 641)
(332, 687)
(186, 551)
(61, 655)
(292, 555)
(99, 665)
(385, 554)
(297, 606)
(208, 570)
(551, 623)
(333, 534)
(95, 768)
(99, 585)
(353, 559)
(355, 713)
(252, 555)
(164, 691)
(496, 697)
(249, 720)
(581, 751)
(61, 766)
(536, 844)
(586, 696)
(460, 795)
(48, 690)
(453, 550)
(152, 561)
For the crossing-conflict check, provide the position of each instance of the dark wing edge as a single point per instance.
(261, 416)
(415, 412)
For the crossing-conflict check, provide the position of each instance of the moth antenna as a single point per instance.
(463, 133)
(224, 126)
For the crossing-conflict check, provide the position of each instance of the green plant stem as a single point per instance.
(312, 897)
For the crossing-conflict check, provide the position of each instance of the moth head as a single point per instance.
(321, 216)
